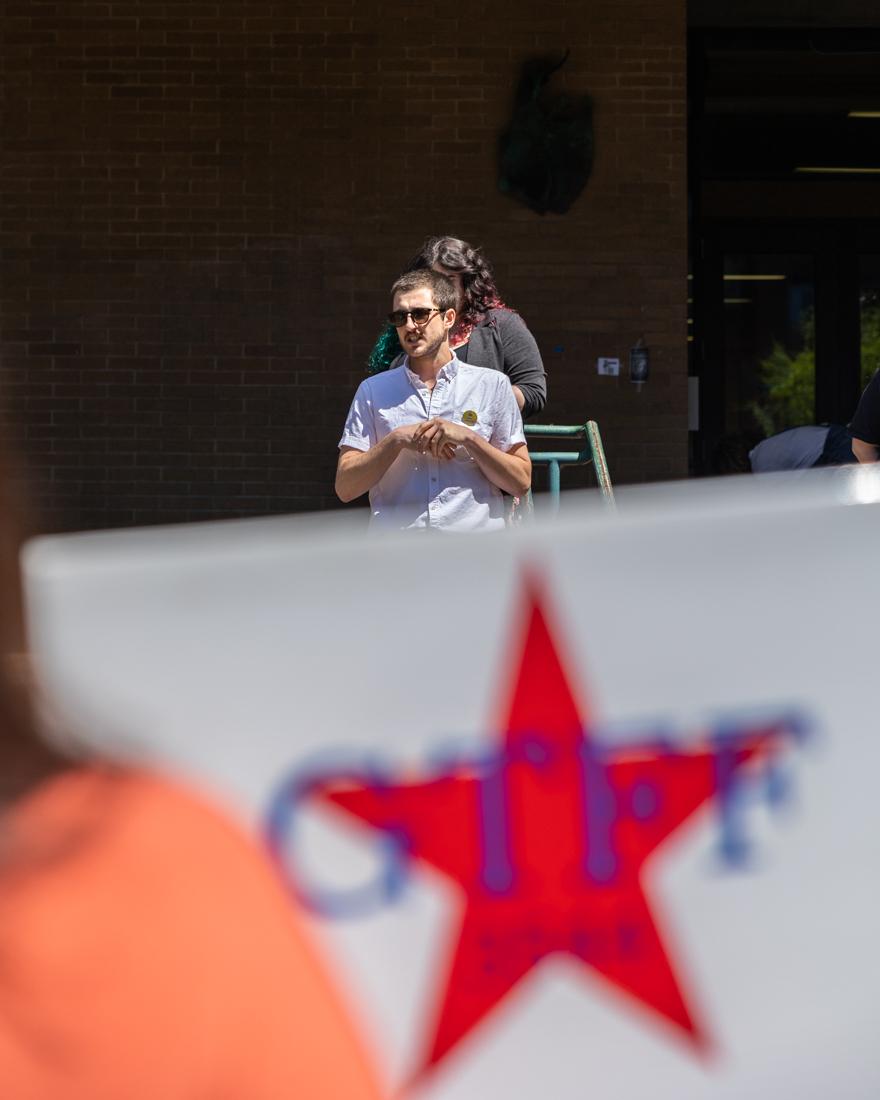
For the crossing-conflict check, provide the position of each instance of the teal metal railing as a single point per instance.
(591, 452)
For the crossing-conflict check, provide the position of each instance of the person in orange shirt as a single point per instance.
(147, 950)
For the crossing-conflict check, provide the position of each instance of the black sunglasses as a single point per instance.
(420, 314)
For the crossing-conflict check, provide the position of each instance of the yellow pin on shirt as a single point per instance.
(469, 417)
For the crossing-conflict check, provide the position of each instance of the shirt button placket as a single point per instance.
(432, 462)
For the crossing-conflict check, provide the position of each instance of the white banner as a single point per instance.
(585, 809)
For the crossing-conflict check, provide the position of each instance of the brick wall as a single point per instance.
(203, 204)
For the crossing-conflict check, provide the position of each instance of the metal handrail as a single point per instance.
(555, 460)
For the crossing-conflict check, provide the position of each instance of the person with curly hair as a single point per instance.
(487, 333)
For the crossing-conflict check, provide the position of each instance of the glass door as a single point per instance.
(769, 334)
(786, 320)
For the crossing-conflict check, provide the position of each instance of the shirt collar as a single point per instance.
(448, 371)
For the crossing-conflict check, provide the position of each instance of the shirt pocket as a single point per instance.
(471, 417)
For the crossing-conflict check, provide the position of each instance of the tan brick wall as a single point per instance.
(202, 205)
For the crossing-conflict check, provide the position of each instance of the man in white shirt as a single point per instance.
(434, 441)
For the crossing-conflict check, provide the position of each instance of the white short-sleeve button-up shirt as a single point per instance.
(420, 490)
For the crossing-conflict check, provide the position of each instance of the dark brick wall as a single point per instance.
(202, 205)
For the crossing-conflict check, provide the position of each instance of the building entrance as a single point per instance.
(785, 325)
(784, 194)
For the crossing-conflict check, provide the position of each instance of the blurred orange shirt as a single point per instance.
(147, 952)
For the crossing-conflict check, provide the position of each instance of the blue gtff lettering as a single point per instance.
(601, 806)
(739, 787)
(290, 800)
(599, 811)
(496, 863)
(488, 768)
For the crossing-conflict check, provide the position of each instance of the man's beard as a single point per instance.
(432, 347)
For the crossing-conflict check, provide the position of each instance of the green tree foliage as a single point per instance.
(870, 316)
(789, 383)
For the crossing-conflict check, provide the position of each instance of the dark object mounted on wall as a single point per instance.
(546, 153)
(639, 363)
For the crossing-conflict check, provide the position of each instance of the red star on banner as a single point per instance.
(548, 844)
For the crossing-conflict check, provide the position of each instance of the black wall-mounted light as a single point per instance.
(639, 363)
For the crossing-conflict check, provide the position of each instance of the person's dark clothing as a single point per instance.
(838, 447)
(865, 424)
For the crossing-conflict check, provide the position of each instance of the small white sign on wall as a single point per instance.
(608, 366)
